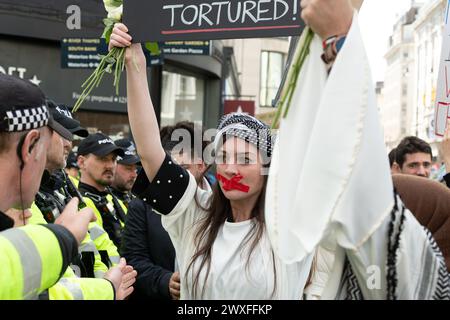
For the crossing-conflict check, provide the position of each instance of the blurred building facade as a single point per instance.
(413, 57)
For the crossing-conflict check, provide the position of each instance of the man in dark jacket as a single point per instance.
(146, 245)
(148, 248)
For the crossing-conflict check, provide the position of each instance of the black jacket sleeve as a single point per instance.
(166, 189)
(5, 222)
(152, 280)
(447, 179)
(67, 243)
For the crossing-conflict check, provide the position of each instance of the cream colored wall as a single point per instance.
(247, 53)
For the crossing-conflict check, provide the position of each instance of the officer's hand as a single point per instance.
(174, 286)
(76, 221)
(128, 279)
(122, 277)
(328, 17)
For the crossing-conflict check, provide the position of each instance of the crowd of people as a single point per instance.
(144, 219)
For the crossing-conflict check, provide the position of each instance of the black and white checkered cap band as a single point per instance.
(26, 119)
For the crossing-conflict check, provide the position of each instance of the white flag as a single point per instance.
(330, 172)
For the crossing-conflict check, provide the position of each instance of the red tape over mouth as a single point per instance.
(233, 184)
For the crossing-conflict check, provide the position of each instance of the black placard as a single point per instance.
(172, 20)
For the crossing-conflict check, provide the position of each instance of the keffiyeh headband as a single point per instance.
(246, 128)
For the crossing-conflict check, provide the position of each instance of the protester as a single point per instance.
(392, 164)
(429, 201)
(146, 244)
(242, 266)
(223, 249)
(413, 156)
(316, 228)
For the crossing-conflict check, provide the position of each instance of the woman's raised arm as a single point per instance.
(141, 113)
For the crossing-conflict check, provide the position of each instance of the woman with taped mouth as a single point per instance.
(222, 248)
(221, 239)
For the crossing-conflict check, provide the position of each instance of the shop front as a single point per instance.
(186, 86)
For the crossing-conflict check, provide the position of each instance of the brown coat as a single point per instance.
(429, 201)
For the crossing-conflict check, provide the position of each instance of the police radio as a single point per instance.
(120, 213)
(72, 191)
(47, 207)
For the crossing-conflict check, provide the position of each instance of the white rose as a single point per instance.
(110, 5)
(116, 14)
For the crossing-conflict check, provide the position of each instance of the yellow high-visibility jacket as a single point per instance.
(71, 287)
(86, 246)
(75, 181)
(100, 236)
(32, 259)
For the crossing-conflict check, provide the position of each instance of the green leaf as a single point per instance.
(153, 47)
(110, 60)
(107, 33)
(108, 22)
(108, 69)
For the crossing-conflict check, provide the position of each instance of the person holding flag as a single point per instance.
(255, 238)
(323, 199)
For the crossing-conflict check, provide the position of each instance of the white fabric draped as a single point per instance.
(330, 175)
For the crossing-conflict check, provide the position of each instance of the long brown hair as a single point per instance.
(218, 211)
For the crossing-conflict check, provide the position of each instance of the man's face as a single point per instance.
(195, 166)
(58, 152)
(417, 164)
(32, 172)
(99, 170)
(125, 177)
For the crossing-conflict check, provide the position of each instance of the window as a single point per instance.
(272, 64)
(115, 125)
(182, 98)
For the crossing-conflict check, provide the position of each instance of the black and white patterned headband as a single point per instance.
(17, 120)
(246, 128)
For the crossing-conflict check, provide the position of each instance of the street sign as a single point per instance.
(202, 47)
(79, 53)
(85, 53)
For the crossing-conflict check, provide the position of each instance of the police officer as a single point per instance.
(53, 193)
(126, 172)
(97, 159)
(72, 169)
(56, 190)
(32, 257)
